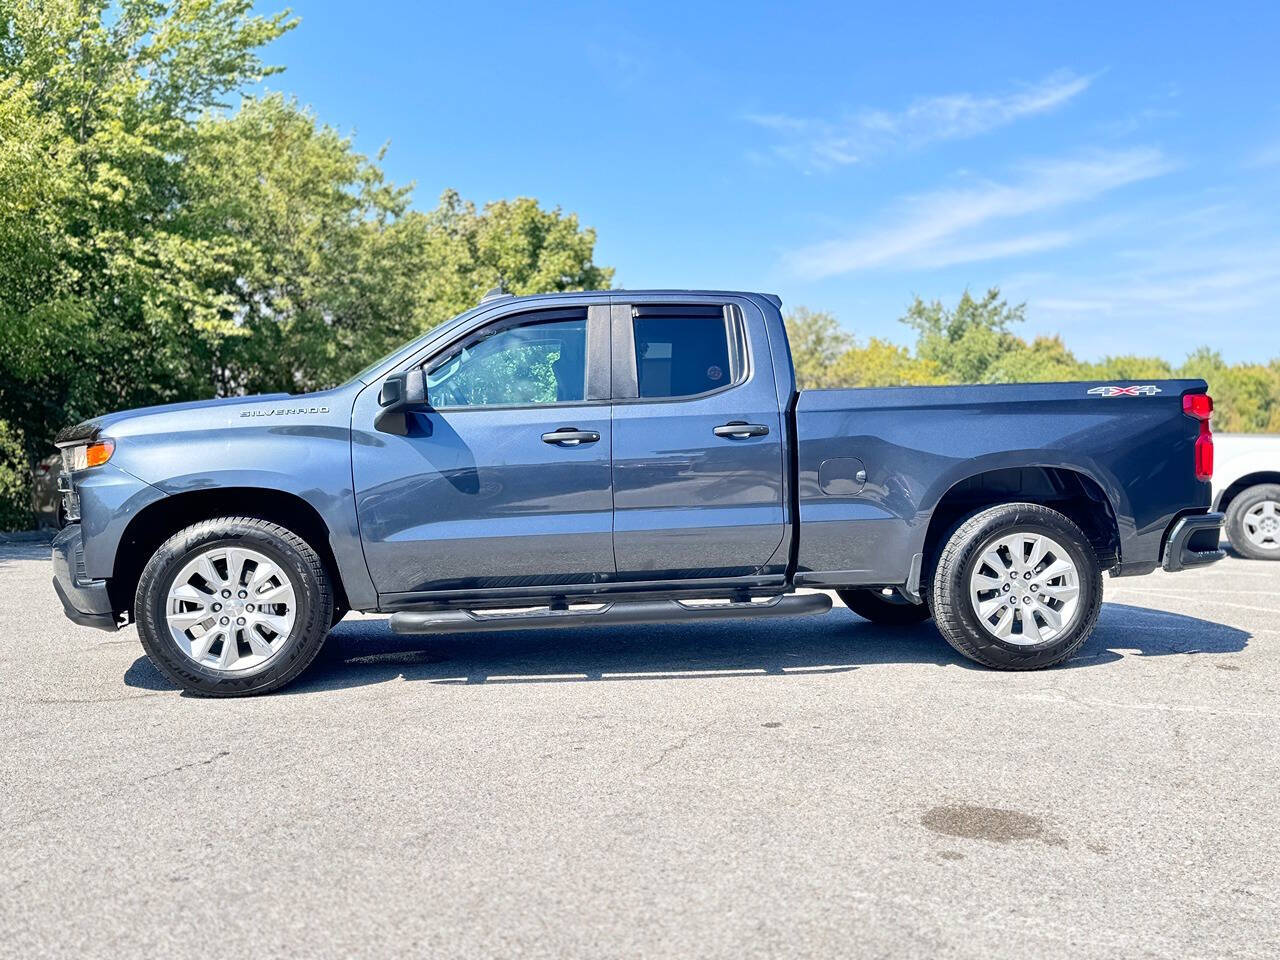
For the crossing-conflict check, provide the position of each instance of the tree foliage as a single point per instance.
(817, 344)
(975, 342)
(825, 355)
(15, 501)
(164, 238)
(966, 341)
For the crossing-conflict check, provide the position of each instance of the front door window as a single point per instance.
(527, 365)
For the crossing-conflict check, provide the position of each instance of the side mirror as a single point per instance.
(401, 394)
(404, 391)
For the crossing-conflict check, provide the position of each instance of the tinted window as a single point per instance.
(524, 365)
(680, 356)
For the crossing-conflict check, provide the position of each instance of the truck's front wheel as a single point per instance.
(233, 606)
(1017, 587)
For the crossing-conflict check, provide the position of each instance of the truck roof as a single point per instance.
(498, 293)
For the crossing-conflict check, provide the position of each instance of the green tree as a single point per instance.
(15, 479)
(974, 342)
(817, 342)
(883, 364)
(1044, 360)
(965, 342)
(826, 355)
(1246, 397)
(99, 299)
(158, 243)
(1127, 367)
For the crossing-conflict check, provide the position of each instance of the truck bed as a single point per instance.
(915, 444)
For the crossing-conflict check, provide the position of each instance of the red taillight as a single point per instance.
(1204, 453)
(1200, 406)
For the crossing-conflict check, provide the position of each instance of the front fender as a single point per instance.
(110, 498)
(311, 461)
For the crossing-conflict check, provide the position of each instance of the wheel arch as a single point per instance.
(1074, 492)
(1243, 483)
(161, 519)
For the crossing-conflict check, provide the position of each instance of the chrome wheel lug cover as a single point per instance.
(1039, 580)
(199, 608)
(1261, 524)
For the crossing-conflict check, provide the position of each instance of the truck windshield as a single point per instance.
(400, 352)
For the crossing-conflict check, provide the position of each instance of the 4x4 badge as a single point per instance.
(1146, 390)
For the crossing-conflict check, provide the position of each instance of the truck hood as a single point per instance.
(203, 415)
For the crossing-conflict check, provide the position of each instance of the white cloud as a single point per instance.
(1173, 290)
(946, 227)
(813, 143)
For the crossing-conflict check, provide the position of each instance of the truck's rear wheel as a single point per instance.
(1253, 522)
(1017, 587)
(891, 610)
(233, 606)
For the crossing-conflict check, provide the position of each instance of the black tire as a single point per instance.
(958, 621)
(889, 611)
(313, 595)
(1241, 504)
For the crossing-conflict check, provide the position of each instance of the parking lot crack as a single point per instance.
(668, 750)
(188, 766)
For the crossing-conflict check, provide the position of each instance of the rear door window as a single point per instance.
(684, 352)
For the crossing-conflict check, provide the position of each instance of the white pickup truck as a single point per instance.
(1246, 487)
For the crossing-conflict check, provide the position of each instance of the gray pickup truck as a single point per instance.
(622, 457)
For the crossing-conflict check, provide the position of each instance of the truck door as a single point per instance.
(697, 443)
(505, 480)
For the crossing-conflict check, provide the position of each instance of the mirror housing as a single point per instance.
(404, 391)
(401, 393)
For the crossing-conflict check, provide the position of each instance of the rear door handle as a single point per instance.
(570, 437)
(739, 430)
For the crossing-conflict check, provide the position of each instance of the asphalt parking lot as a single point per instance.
(808, 787)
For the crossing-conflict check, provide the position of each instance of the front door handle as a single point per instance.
(739, 430)
(570, 437)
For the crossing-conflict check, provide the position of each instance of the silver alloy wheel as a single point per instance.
(231, 608)
(1262, 525)
(1025, 589)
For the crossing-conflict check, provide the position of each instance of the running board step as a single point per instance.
(611, 614)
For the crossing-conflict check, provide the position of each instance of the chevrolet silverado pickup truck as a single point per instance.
(622, 457)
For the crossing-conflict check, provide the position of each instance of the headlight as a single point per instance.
(90, 454)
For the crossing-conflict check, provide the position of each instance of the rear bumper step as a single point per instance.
(1193, 541)
(610, 614)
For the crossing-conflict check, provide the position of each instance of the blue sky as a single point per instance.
(1114, 165)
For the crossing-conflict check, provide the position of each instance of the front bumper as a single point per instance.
(1193, 542)
(86, 602)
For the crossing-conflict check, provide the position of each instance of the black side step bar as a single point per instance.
(612, 614)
